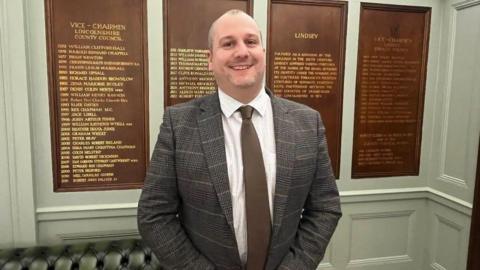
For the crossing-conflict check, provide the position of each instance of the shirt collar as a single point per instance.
(229, 105)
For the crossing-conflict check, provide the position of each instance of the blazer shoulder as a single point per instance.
(190, 109)
(304, 117)
(295, 108)
(193, 104)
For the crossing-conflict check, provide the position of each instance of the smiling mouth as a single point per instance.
(241, 67)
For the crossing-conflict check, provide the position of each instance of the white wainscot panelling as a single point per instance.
(87, 223)
(72, 231)
(326, 263)
(449, 238)
(381, 231)
(462, 117)
(380, 238)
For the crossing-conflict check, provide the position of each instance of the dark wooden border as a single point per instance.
(166, 58)
(473, 262)
(422, 76)
(54, 137)
(341, 65)
(54, 123)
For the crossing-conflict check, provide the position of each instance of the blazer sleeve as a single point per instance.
(158, 221)
(320, 215)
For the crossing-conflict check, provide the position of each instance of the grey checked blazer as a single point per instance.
(185, 210)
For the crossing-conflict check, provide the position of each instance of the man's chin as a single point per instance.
(244, 83)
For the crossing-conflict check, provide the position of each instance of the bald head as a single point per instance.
(232, 12)
(236, 55)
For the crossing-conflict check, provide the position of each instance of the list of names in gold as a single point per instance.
(380, 148)
(388, 96)
(303, 75)
(92, 81)
(189, 75)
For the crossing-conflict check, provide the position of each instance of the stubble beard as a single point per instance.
(250, 81)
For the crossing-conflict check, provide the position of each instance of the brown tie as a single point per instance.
(256, 194)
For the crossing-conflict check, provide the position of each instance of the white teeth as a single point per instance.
(240, 67)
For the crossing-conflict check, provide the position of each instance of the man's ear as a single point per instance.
(209, 58)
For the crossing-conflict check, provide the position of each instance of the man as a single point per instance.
(195, 204)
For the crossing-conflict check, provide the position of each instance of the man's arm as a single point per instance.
(320, 216)
(158, 222)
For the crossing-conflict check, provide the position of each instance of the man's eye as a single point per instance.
(227, 44)
(251, 42)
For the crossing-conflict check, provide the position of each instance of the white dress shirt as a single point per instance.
(262, 119)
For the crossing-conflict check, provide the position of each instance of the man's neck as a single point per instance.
(243, 95)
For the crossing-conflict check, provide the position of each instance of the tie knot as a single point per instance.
(246, 112)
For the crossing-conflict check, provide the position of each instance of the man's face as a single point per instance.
(237, 57)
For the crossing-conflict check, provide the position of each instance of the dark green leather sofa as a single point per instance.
(121, 254)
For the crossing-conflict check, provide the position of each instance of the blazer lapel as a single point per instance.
(285, 152)
(213, 145)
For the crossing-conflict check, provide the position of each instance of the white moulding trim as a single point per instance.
(98, 235)
(402, 213)
(450, 198)
(453, 180)
(450, 223)
(325, 265)
(437, 266)
(401, 192)
(347, 197)
(86, 211)
(369, 192)
(379, 261)
(90, 207)
(465, 4)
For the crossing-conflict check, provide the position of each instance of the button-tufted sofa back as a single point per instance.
(122, 254)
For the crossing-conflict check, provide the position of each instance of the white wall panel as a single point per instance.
(447, 242)
(390, 230)
(458, 120)
(16, 170)
(6, 230)
(326, 263)
(66, 224)
(68, 231)
(448, 238)
(463, 107)
(372, 240)
(380, 232)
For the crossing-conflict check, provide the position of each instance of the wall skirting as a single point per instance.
(347, 197)
(127, 212)
(98, 236)
(406, 194)
(86, 211)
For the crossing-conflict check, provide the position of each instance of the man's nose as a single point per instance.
(241, 50)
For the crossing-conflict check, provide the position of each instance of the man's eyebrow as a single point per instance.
(253, 35)
(248, 35)
(225, 38)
